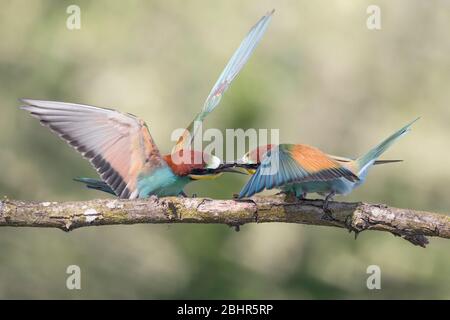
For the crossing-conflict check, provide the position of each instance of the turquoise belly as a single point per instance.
(162, 183)
(339, 186)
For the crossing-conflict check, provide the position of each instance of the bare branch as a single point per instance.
(411, 225)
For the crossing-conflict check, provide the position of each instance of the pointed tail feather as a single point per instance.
(386, 161)
(95, 184)
(364, 162)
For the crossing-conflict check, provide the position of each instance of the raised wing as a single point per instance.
(118, 145)
(236, 63)
(289, 163)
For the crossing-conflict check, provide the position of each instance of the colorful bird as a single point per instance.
(121, 149)
(300, 169)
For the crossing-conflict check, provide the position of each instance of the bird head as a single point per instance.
(197, 165)
(252, 159)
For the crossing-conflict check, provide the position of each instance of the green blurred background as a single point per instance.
(319, 75)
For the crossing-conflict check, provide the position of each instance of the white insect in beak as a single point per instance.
(245, 159)
(213, 162)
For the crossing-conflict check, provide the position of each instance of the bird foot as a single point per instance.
(289, 196)
(184, 195)
(327, 215)
(302, 196)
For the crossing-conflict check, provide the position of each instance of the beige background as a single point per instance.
(319, 75)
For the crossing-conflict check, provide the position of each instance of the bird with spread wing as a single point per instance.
(119, 146)
(300, 169)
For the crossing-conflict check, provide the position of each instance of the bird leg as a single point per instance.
(292, 195)
(302, 196)
(327, 212)
(183, 194)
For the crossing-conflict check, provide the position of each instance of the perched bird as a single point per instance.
(121, 149)
(300, 169)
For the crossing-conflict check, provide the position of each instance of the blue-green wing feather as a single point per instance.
(232, 69)
(279, 167)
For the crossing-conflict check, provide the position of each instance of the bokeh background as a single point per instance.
(319, 75)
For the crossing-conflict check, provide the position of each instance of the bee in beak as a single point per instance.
(213, 169)
(246, 165)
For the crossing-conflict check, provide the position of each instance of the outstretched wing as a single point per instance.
(289, 163)
(118, 145)
(236, 63)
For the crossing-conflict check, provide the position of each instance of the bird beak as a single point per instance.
(246, 168)
(205, 176)
(229, 167)
(211, 174)
(250, 171)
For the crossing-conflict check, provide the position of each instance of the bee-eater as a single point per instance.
(121, 149)
(299, 169)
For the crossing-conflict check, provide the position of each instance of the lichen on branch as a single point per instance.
(411, 225)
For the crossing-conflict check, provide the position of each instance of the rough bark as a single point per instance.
(411, 225)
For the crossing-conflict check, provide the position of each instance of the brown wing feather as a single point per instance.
(314, 161)
(118, 145)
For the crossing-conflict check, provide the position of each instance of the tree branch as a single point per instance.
(411, 225)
